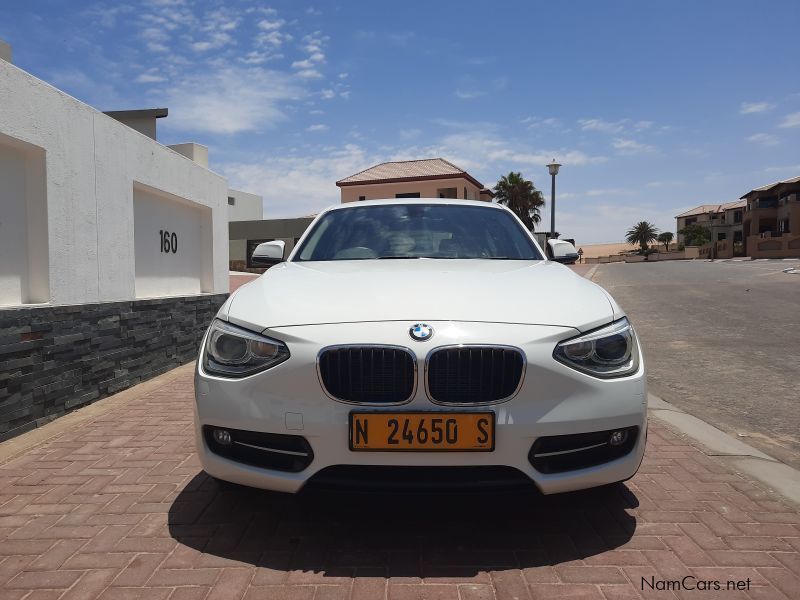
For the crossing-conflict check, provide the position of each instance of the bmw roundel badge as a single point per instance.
(421, 332)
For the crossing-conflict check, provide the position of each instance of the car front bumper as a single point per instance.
(552, 400)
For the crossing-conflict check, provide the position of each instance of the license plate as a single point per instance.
(423, 431)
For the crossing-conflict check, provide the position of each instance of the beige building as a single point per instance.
(771, 221)
(724, 222)
(764, 223)
(426, 178)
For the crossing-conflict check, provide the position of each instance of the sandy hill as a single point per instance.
(595, 250)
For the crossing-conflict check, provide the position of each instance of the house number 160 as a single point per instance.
(169, 241)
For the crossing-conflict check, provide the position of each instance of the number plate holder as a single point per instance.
(373, 431)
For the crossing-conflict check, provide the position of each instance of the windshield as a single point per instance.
(417, 231)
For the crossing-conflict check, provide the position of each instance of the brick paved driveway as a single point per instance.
(116, 507)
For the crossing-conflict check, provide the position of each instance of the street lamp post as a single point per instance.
(553, 168)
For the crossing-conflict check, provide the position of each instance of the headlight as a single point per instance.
(606, 352)
(234, 352)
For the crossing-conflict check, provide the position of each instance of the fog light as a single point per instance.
(222, 437)
(618, 437)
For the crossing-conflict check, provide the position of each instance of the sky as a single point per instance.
(651, 107)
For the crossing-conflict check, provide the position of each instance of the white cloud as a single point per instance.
(409, 134)
(216, 40)
(317, 127)
(765, 139)
(309, 74)
(536, 123)
(469, 94)
(150, 77)
(627, 146)
(664, 183)
(747, 108)
(601, 125)
(791, 120)
(271, 25)
(229, 100)
(258, 58)
(308, 181)
(106, 16)
(328, 94)
(272, 38)
(790, 170)
(303, 64)
(608, 192)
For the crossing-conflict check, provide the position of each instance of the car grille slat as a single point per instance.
(474, 374)
(373, 374)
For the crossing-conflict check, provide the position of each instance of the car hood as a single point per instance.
(497, 291)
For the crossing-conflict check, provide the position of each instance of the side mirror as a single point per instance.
(268, 254)
(562, 252)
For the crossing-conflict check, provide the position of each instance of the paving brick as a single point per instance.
(741, 558)
(573, 591)
(703, 536)
(425, 592)
(279, 592)
(332, 592)
(119, 509)
(176, 577)
(475, 591)
(510, 584)
(782, 579)
(368, 588)
(90, 585)
(44, 579)
(591, 575)
(619, 592)
(139, 570)
(55, 556)
(757, 543)
(192, 592)
(688, 551)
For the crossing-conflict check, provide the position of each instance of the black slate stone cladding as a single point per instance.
(56, 358)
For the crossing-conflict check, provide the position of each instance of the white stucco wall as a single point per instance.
(23, 223)
(245, 207)
(92, 164)
(173, 244)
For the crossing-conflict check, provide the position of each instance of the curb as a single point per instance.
(735, 454)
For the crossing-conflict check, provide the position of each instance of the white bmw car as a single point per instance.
(418, 343)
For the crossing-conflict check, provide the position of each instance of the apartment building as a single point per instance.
(724, 221)
(771, 222)
(764, 223)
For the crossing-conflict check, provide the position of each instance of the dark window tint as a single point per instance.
(446, 231)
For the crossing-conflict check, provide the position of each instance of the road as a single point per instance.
(721, 341)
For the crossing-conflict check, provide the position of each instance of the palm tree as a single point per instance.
(642, 233)
(521, 197)
(666, 239)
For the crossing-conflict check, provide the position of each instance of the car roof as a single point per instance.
(442, 201)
